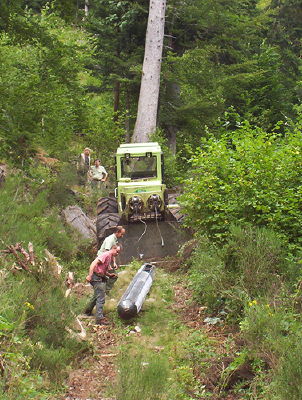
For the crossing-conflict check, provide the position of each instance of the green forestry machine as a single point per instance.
(143, 203)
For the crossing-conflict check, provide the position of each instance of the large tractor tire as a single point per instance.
(175, 213)
(103, 224)
(106, 205)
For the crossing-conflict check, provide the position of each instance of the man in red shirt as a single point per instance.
(97, 276)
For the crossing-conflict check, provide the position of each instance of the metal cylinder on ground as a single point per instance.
(132, 300)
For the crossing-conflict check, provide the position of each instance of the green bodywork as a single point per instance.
(139, 173)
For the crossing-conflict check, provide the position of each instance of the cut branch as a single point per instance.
(13, 249)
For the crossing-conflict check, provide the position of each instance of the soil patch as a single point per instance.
(97, 371)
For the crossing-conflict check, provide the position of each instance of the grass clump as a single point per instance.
(252, 263)
(142, 375)
(272, 334)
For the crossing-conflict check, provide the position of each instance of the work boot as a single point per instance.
(88, 313)
(101, 322)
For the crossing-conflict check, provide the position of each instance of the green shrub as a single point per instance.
(207, 275)
(272, 333)
(256, 257)
(254, 177)
(53, 361)
(59, 191)
(39, 314)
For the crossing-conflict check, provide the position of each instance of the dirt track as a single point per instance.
(97, 372)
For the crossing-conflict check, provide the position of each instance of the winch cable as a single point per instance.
(140, 219)
(162, 240)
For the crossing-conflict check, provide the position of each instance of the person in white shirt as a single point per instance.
(109, 242)
(97, 174)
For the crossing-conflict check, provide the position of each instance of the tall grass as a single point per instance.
(142, 375)
(252, 263)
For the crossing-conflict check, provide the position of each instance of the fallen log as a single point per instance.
(75, 217)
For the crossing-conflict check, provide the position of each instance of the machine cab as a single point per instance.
(140, 190)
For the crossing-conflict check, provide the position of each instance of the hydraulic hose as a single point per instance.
(140, 219)
(162, 240)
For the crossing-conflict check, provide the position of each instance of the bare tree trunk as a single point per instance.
(172, 132)
(173, 93)
(148, 98)
(86, 8)
(116, 99)
(127, 119)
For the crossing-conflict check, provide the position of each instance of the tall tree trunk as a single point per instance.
(172, 94)
(148, 98)
(116, 105)
(127, 116)
(86, 8)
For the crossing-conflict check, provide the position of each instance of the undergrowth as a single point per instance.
(34, 315)
(253, 282)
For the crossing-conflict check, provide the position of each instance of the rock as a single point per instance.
(212, 321)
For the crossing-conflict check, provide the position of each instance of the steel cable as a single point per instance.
(162, 240)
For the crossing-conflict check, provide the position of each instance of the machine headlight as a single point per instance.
(136, 204)
(154, 202)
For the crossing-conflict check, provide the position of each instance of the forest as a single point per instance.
(224, 323)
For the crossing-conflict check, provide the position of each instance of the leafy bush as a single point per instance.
(42, 102)
(252, 177)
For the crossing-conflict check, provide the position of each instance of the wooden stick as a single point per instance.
(31, 254)
(20, 262)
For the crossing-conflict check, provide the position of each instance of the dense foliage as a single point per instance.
(36, 346)
(65, 69)
(247, 176)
